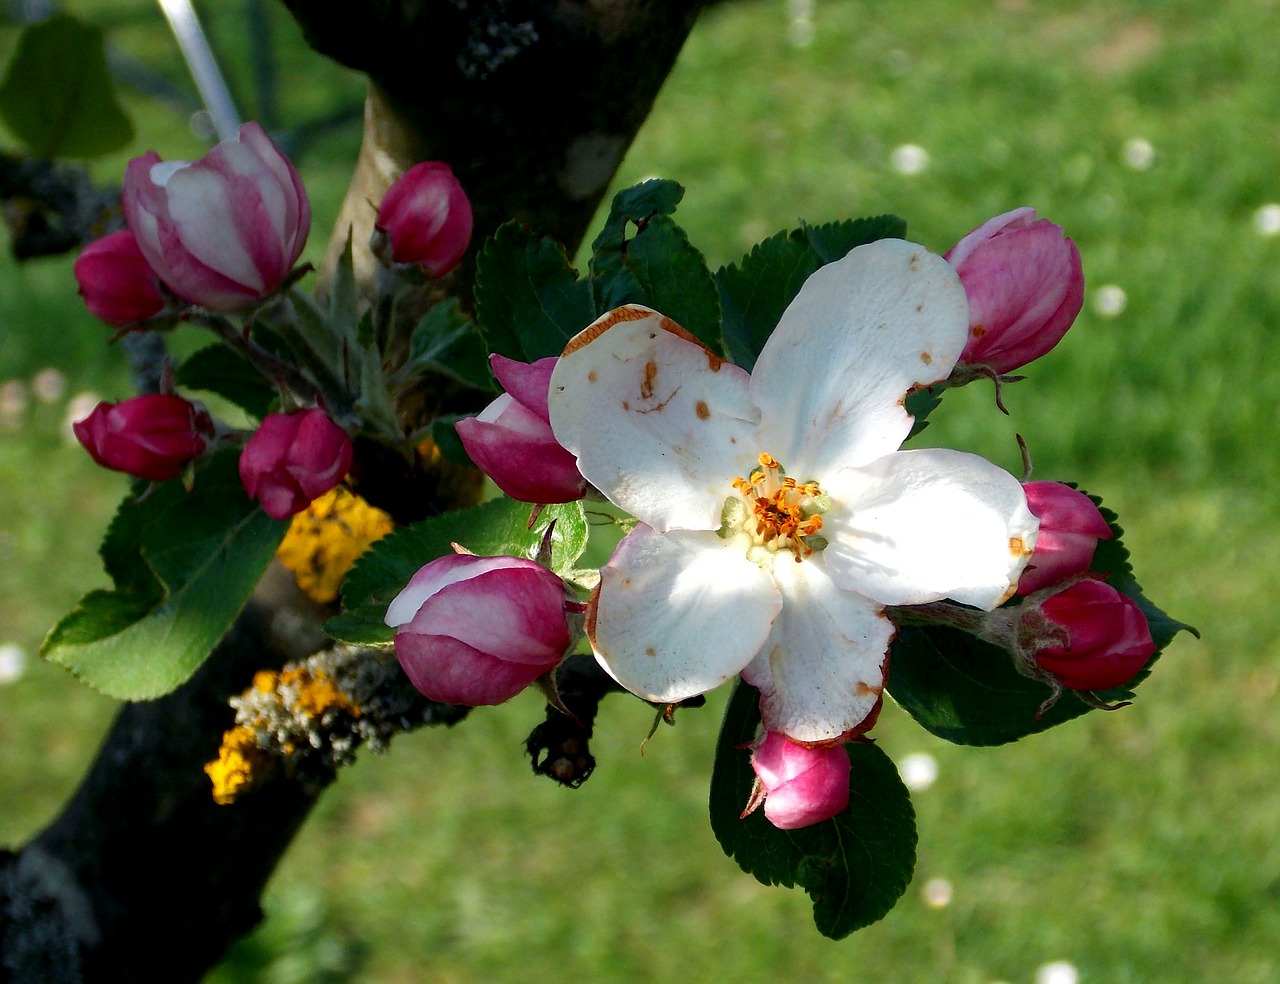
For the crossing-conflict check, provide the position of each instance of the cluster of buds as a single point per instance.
(1077, 631)
(221, 236)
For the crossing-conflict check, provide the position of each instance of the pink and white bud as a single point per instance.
(511, 439)
(222, 232)
(293, 459)
(1025, 286)
(801, 786)
(1070, 528)
(152, 436)
(427, 218)
(478, 630)
(1103, 637)
(116, 281)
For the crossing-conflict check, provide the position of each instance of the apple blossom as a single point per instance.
(116, 281)
(222, 232)
(1070, 528)
(478, 630)
(800, 785)
(1025, 286)
(427, 218)
(293, 459)
(1094, 637)
(777, 517)
(152, 436)
(511, 439)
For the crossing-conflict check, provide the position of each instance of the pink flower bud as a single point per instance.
(116, 282)
(427, 216)
(511, 439)
(801, 785)
(150, 436)
(293, 459)
(222, 232)
(1025, 286)
(1107, 639)
(478, 630)
(1070, 528)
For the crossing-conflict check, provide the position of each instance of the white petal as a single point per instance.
(918, 526)
(861, 333)
(821, 672)
(659, 423)
(680, 613)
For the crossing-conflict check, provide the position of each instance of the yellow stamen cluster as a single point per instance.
(325, 540)
(781, 507)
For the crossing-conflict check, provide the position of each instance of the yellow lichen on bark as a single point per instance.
(325, 540)
(240, 763)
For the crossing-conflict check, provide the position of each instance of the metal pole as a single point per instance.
(204, 68)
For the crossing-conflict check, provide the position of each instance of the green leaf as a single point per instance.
(757, 289)
(968, 692)
(447, 341)
(656, 266)
(755, 292)
(57, 95)
(854, 867)
(499, 526)
(529, 300)
(833, 240)
(183, 565)
(920, 403)
(217, 369)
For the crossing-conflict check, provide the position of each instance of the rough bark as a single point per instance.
(533, 102)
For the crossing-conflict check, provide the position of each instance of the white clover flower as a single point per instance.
(777, 516)
(919, 771)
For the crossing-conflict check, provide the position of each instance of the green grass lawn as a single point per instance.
(1139, 845)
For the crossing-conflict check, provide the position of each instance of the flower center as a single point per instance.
(780, 513)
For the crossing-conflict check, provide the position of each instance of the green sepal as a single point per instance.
(656, 265)
(967, 691)
(57, 95)
(363, 626)
(854, 866)
(757, 289)
(447, 342)
(497, 527)
(217, 369)
(343, 323)
(183, 564)
(529, 300)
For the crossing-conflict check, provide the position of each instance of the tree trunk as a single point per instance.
(533, 103)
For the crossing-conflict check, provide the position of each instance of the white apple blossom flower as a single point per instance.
(777, 516)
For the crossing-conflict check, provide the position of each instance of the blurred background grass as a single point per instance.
(1136, 846)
